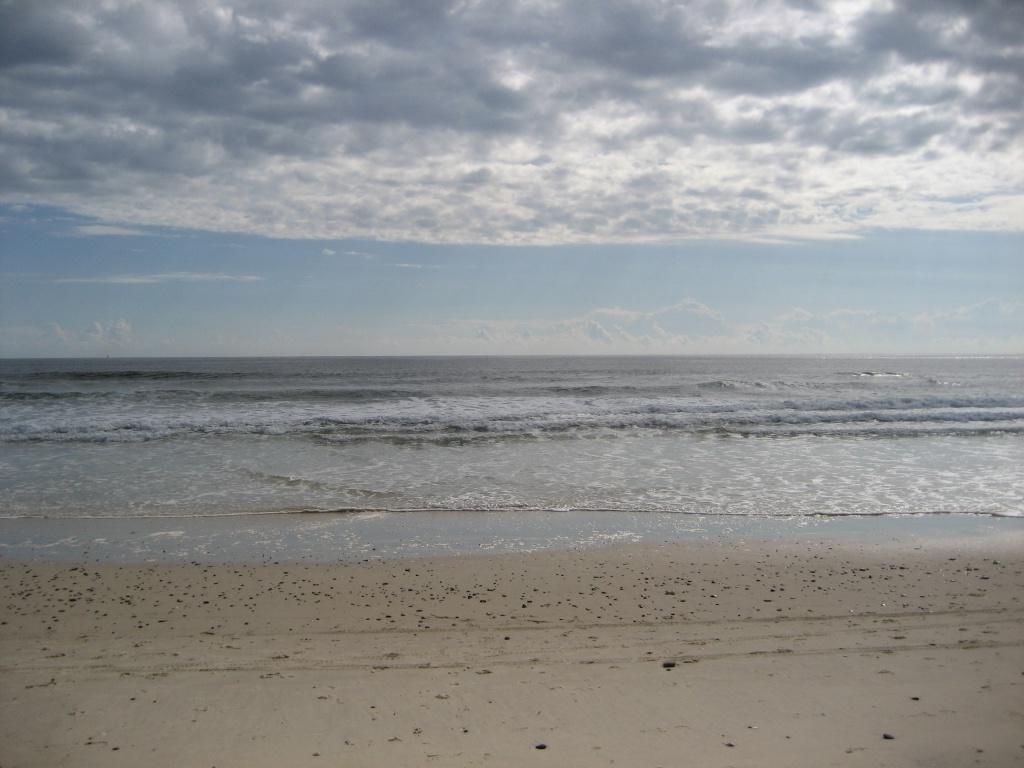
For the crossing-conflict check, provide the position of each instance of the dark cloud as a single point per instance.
(761, 69)
(33, 35)
(968, 35)
(569, 120)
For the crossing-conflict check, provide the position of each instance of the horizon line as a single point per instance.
(624, 355)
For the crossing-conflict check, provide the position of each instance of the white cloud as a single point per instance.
(988, 311)
(327, 252)
(992, 326)
(106, 230)
(59, 332)
(597, 332)
(795, 315)
(692, 327)
(500, 122)
(111, 333)
(98, 337)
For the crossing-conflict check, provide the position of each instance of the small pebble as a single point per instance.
(668, 664)
(541, 746)
(888, 736)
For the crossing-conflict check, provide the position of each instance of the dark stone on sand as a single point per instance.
(888, 736)
(540, 746)
(668, 664)
(729, 744)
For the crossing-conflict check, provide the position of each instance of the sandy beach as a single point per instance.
(711, 654)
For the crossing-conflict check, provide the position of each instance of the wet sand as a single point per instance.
(730, 654)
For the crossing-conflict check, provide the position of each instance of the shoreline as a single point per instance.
(727, 651)
(349, 537)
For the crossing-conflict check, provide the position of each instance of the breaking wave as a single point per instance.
(743, 436)
(442, 419)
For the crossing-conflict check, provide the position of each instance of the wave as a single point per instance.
(127, 375)
(966, 430)
(290, 481)
(404, 414)
(184, 396)
(330, 432)
(731, 385)
(493, 414)
(16, 396)
(876, 374)
(523, 509)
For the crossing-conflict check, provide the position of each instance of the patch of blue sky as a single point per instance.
(68, 280)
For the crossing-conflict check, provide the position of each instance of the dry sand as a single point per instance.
(695, 654)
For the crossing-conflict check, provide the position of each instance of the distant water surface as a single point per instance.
(753, 436)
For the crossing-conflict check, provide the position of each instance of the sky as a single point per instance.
(474, 177)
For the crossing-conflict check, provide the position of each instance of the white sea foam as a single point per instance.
(453, 418)
(713, 436)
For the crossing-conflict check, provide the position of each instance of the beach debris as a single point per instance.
(52, 681)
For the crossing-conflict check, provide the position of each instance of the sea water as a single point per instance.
(746, 437)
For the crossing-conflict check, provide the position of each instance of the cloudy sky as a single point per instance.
(281, 176)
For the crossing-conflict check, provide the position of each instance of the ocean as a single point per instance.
(729, 437)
